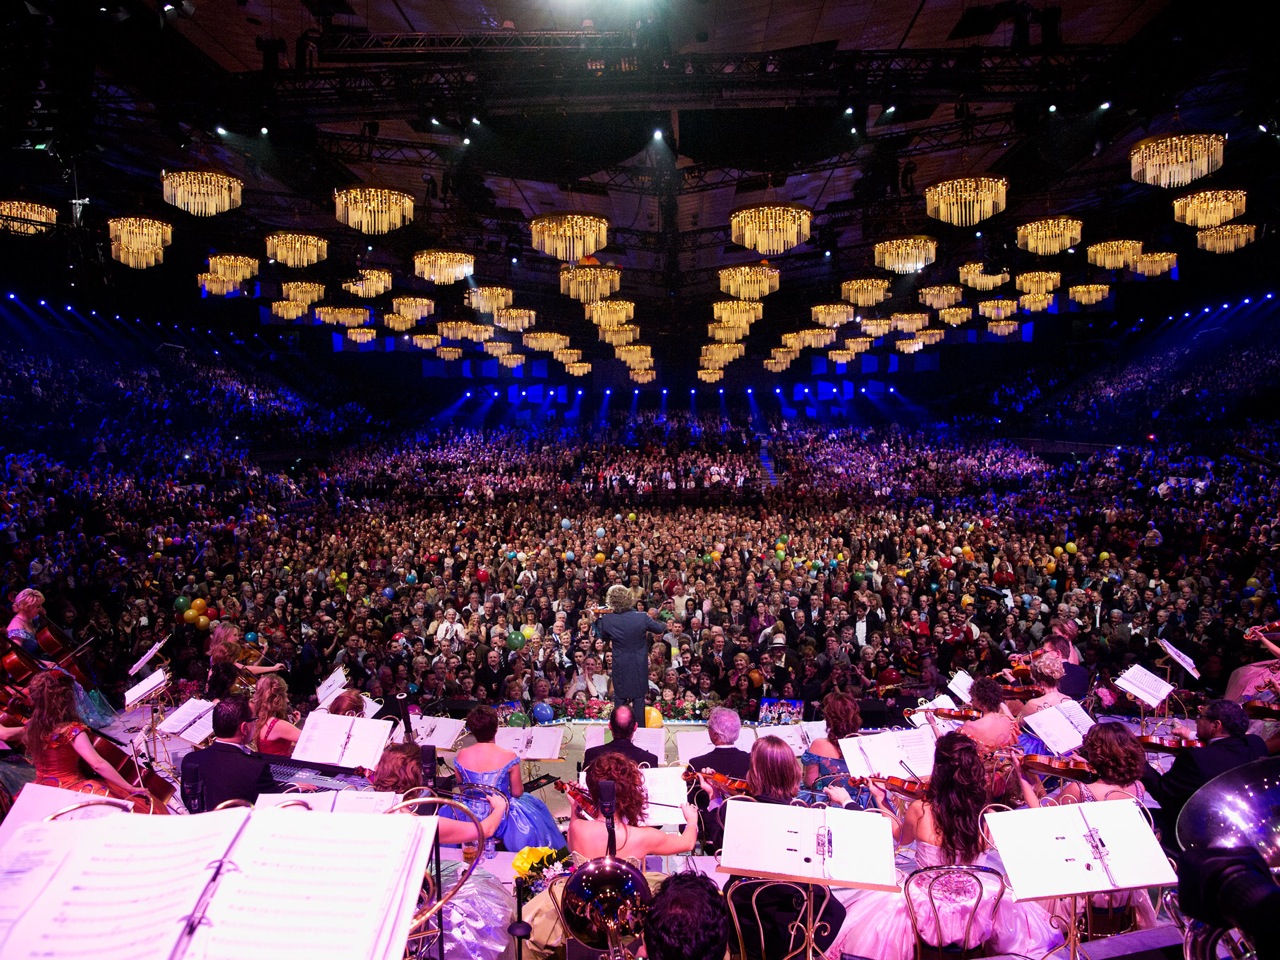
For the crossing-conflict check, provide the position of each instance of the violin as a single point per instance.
(1154, 744)
(1262, 710)
(1066, 769)
(1023, 694)
(124, 764)
(945, 713)
(723, 781)
(912, 789)
(579, 796)
(15, 708)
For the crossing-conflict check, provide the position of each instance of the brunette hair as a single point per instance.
(1114, 753)
(773, 774)
(986, 695)
(956, 794)
(842, 714)
(399, 768)
(629, 784)
(53, 704)
(483, 724)
(348, 703)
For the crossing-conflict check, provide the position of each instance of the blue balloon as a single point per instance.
(542, 713)
(617, 517)
(411, 578)
(569, 555)
(617, 551)
(599, 533)
(511, 554)
(566, 523)
(389, 592)
(251, 637)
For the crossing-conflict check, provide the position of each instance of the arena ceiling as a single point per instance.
(851, 107)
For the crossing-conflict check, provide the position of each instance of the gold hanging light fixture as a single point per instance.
(1227, 238)
(1087, 294)
(488, 299)
(954, 316)
(417, 308)
(233, 265)
(909, 322)
(479, 332)
(776, 366)
(343, 316)
(370, 283)
(998, 309)
(451, 353)
(288, 309)
(831, 314)
(865, 291)
(810, 338)
(443, 266)
(515, 319)
(580, 369)
(840, 356)
(710, 376)
(876, 327)
(635, 355)
(906, 254)
(643, 376)
(139, 242)
(737, 311)
(1114, 254)
(202, 193)
(569, 236)
(589, 281)
(297, 249)
(1002, 328)
(498, 348)
(910, 345)
(974, 275)
(1154, 264)
(717, 356)
(750, 281)
(361, 334)
(453, 329)
(1038, 281)
(398, 322)
(610, 313)
(1209, 208)
(511, 360)
(545, 340)
(770, 228)
(617, 336)
(930, 336)
(26, 218)
(965, 201)
(216, 285)
(727, 331)
(1050, 236)
(301, 292)
(857, 345)
(1036, 302)
(1176, 159)
(567, 355)
(426, 341)
(940, 297)
(373, 209)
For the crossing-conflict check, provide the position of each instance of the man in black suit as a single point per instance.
(1221, 728)
(622, 724)
(723, 727)
(226, 770)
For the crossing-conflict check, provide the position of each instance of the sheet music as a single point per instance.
(1182, 659)
(344, 741)
(27, 869)
(792, 734)
(333, 685)
(200, 731)
(694, 743)
(1061, 730)
(653, 739)
(142, 662)
(334, 801)
(35, 801)
(961, 684)
(889, 754)
(187, 714)
(439, 732)
(371, 706)
(532, 743)
(919, 719)
(144, 689)
(667, 792)
(1144, 685)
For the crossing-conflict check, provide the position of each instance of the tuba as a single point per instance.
(602, 904)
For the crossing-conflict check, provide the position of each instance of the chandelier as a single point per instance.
(784, 354)
(643, 376)
(1227, 238)
(906, 254)
(373, 209)
(372, 283)
(717, 356)
(479, 332)
(216, 285)
(966, 201)
(307, 293)
(865, 292)
(1089, 293)
(588, 281)
(1038, 281)
(453, 329)
(1036, 302)
(201, 192)
(361, 334)
(617, 336)
(580, 369)
(1177, 159)
(1050, 236)
(840, 356)
(569, 236)
(974, 275)
(809, 338)
(288, 309)
(770, 228)
(1209, 208)
(544, 340)
(910, 345)
(940, 297)
(233, 265)
(138, 242)
(567, 355)
(297, 249)
(610, 313)
(998, 309)
(488, 299)
(398, 322)
(750, 281)
(497, 348)
(426, 341)
(636, 355)
(909, 322)
(419, 308)
(1114, 254)
(449, 353)
(511, 360)
(1154, 264)
(875, 327)
(738, 311)
(954, 316)
(777, 366)
(710, 376)
(728, 331)
(930, 336)
(443, 266)
(343, 316)
(857, 345)
(1002, 328)
(831, 314)
(515, 319)
(26, 218)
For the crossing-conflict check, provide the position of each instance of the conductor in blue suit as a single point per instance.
(627, 629)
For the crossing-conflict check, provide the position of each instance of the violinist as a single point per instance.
(225, 653)
(823, 757)
(274, 730)
(27, 606)
(995, 729)
(723, 727)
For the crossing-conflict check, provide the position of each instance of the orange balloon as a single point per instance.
(189, 615)
(199, 605)
(202, 623)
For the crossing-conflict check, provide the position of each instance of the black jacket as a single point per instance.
(1192, 769)
(221, 772)
(624, 747)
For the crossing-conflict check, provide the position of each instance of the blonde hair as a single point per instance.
(1048, 667)
(619, 598)
(30, 597)
(270, 701)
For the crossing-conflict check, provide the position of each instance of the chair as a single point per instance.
(770, 918)
(952, 909)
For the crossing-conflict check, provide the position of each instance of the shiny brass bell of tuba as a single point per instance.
(602, 904)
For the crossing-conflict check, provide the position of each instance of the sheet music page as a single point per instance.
(532, 743)
(1057, 732)
(916, 748)
(147, 687)
(320, 801)
(653, 739)
(322, 738)
(1181, 658)
(439, 732)
(1076, 716)
(364, 747)
(185, 715)
(813, 730)
(365, 801)
(694, 743)
(792, 734)
(142, 661)
(1144, 685)
(28, 866)
(200, 731)
(333, 685)
(666, 791)
(861, 755)
(371, 706)
(961, 684)
(35, 802)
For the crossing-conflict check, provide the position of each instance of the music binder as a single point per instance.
(145, 688)
(652, 739)
(342, 741)
(1144, 685)
(532, 743)
(1062, 727)
(193, 721)
(695, 743)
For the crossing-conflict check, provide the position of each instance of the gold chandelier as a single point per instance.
(906, 254)
(371, 283)
(1209, 208)
(771, 228)
(974, 275)
(399, 322)
(515, 319)
(954, 316)
(840, 356)
(1002, 328)
(784, 354)
(966, 201)
(418, 308)
(940, 297)
(909, 322)
(635, 355)
(738, 311)
(727, 331)
(511, 360)
(302, 292)
(1051, 235)
(426, 341)
(546, 341)
(497, 348)
(1036, 302)
(343, 316)
(567, 355)
(579, 369)
(25, 218)
(930, 336)
(443, 266)
(750, 281)
(1227, 238)
(216, 285)
(288, 309)
(710, 376)
(138, 242)
(1114, 254)
(998, 309)
(618, 336)
(479, 332)
(202, 193)
(876, 327)
(589, 281)
(643, 376)
(865, 292)
(373, 209)
(717, 356)
(857, 345)
(453, 329)
(233, 265)
(777, 366)
(361, 334)
(831, 314)
(297, 249)
(569, 236)
(610, 313)
(488, 299)
(1177, 159)
(1088, 294)
(1154, 264)
(910, 345)
(810, 338)
(449, 353)
(1038, 281)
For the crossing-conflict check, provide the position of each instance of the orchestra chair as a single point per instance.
(952, 909)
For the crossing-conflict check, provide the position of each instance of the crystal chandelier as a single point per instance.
(288, 309)
(398, 322)
(1002, 328)
(1049, 236)
(910, 345)
(857, 345)
(301, 292)
(1038, 281)
(643, 376)
(776, 366)
(426, 341)
(216, 285)
(998, 309)
(1154, 264)
(617, 336)
(1177, 159)
(138, 242)
(371, 283)
(443, 266)
(479, 332)
(717, 356)
(771, 228)
(909, 322)
(831, 314)
(727, 332)
(906, 254)
(865, 292)
(497, 348)
(202, 193)
(1209, 208)
(1036, 302)
(930, 336)
(233, 265)
(515, 319)
(569, 236)
(811, 338)
(511, 360)
(954, 316)
(635, 355)
(453, 329)
(738, 311)
(588, 281)
(373, 209)
(343, 316)
(297, 249)
(840, 356)
(361, 334)
(545, 341)
(875, 327)
(1114, 254)
(418, 308)
(750, 281)
(567, 355)
(449, 353)
(974, 275)
(1227, 238)
(579, 369)
(26, 218)
(710, 376)
(1088, 293)
(940, 297)
(784, 354)
(966, 201)
(610, 313)
(488, 299)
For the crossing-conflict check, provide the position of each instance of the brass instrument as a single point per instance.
(602, 904)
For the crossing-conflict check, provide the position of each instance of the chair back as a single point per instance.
(770, 918)
(952, 909)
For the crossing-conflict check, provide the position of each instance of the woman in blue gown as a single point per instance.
(823, 762)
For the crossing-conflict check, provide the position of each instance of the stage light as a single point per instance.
(579, 393)
(68, 306)
(806, 389)
(1187, 314)
(749, 391)
(848, 111)
(864, 390)
(977, 233)
(893, 389)
(14, 296)
(1262, 128)
(854, 131)
(42, 303)
(515, 259)
(890, 109)
(692, 391)
(1105, 105)
(1053, 108)
(435, 122)
(635, 393)
(220, 131)
(475, 121)
(664, 391)
(657, 134)
(826, 253)
(263, 131)
(466, 141)
(722, 391)
(468, 394)
(495, 394)
(608, 393)
(1247, 300)
(777, 389)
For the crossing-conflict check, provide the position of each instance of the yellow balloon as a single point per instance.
(1057, 551)
(715, 555)
(527, 630)
(202, 622)
(631, 517)
(599, 558)
(1071, 547)
(652, 717)
(1104, 555)
(199, 605)
(839, 556)
(1050, 567)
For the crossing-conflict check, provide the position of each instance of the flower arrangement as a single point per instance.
(537, 867)
(684, 710)
(580, 708)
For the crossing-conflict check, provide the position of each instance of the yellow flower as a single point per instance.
(526, 858)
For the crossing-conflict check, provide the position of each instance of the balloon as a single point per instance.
(189, 615)
(652, 717)
(1104, 556)
(1252, 582)
(516, 640)
(617, 551)
(617, 518)
(566, 524)
(483, 576)
(511, 554)
(527, 631)
(522, 556)
(518, 719)
(956, 551)
(411, 578)
(859, 577)
(202, 623)
(1050, 567)
(168, 541)
(199, 606)
(839, 556)
(542, 713)
(631, 517)
(599, 558)
(784, 538)
(834, 564)
(181, 604)
(781, 554)
(569, 555)
(815, 566)
(434, 558)
(250, 637)
(1057, 551)
(706, 558)
(715, 555)
(389, 593)
(211, 613)
(1071, 547)
(599, 533)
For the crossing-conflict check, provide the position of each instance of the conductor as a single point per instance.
(625, 627)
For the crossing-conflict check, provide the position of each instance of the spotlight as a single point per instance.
(468, 394)
(220, 131)
(692, 391)
(893, 389)
(863, 390)
(1262, 128)
(806, 389)
(515, 259)
(579, 393)
(608, 393)
(1224, 306)
(435, 122)
(466, 141)
(14, 296)
(777, 390)
(664, 391)
(495, 394)
(848, 111)
(1053, 108)
(977, 233)
(890, 109)
(749, 391)
(1105, 105)
(42, 303)
(635, 393)
(854, 131)
(1247, 300)
(263, 131)
(524, 392)
(657, 134)
(475, 121)
(826, 253)
(1071, 249)
(722, 391)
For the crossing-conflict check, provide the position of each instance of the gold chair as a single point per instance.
(952, 910)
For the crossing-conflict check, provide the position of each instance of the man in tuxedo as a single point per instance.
(622, 725)
(723, 727)
(226, 769)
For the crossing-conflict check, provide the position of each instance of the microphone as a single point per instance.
(429, 766)
(607, 792)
